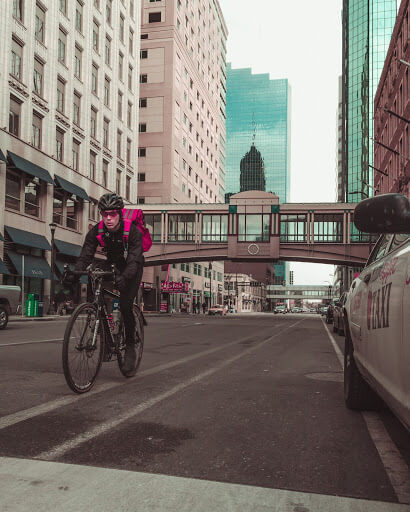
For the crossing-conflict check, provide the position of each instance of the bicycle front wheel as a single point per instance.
(83, 348)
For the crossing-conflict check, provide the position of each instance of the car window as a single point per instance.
(380, 248)
(398, 240)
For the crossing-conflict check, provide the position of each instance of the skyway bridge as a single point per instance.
(255, 227)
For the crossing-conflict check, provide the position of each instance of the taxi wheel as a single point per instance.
(4, 317)
(358, 394)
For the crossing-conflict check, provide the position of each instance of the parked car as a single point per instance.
(218, 309)
(9, 301)
(280, 309)
(322, 310)
(338, 320)
(376, 313)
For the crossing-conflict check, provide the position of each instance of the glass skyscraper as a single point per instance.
(367, 29)
(257, 133)
(258, 138)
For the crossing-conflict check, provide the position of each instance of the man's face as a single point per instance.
(111, 219)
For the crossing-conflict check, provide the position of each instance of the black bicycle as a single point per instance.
(93, 336)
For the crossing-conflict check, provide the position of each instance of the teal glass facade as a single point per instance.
(367, 29)
(257, 112)
(258, 138)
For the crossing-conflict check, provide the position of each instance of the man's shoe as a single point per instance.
(130, 359)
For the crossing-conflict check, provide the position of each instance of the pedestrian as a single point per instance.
(60, 299)
(198, 307)
(204, 308)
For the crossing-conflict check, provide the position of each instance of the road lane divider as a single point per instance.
(38, 410)
(31, 342)
(394, 464)
(102, 428)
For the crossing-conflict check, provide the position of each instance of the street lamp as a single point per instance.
(51, 310)
(210, 284)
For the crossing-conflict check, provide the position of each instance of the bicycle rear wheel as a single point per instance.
(139, 344)
(82, 354)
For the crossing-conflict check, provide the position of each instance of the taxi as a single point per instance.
(377, 312)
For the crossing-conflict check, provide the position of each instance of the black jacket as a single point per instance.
(114, 249)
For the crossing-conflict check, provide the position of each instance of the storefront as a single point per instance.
(175, 297)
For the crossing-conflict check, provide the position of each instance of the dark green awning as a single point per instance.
(33, 265)
(71, 188)
(3, 268)
(30, 168)
(1, 238)
(21, 237)
(2, 157)
(67, 248)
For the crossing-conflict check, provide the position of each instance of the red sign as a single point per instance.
(174, 287)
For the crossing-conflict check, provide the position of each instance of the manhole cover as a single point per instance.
(329, 376)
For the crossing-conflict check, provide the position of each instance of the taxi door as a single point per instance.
(358, 298)
(385, 356)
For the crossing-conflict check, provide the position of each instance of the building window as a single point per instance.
(119, 144)
(141, 176)
(106, 132)
(36, 131)
(143, 79)
(63, 6)
(121, 28)
(144, 54)
(94, 79)
(76, 108)
(92, 165)
(16, 59)
(128, 151)
(143, 102)
(120, 66)
(96, 36)
(130, 77)
(127, 187)
(18, 9)
(66, 210)
(40, 23)
(154, 17)
(119, 105)
(107, 50)
(23, 193)
(141, 200)
(62, 43)
(38, 75)
(79, 16)
(78, 53)
(142, 127)
(14, 117)
(132, 9)
(75, 155)
(106, 92)
(144, 36)
(93, 123)
(59, 145)
(131, 41)
(118, 182)
(105, 173)
(142, 152)
(108, 11)
(129, 115)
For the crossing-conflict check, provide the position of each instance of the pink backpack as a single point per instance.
(130, 217)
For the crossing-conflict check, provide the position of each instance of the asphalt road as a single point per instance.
(235, 413)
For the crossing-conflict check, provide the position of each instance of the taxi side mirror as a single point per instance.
(388, 213)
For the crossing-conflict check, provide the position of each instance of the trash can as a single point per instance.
(30, 305)
(40, 308)
(36, 300)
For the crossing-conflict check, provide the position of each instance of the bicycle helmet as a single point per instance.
(110, 201)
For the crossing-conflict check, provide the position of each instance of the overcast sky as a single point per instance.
(300, 41)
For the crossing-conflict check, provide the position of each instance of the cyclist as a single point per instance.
(129, 264)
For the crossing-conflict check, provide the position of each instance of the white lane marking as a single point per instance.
(395, 466)
(42, 486)
(28, 342)
(60, 450)
(12, 419)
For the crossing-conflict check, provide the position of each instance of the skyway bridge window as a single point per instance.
(253, 227)
(181, 228)
(328, 228)
(153, 223)
(293, 228)
(214, 228)
(357, 236)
